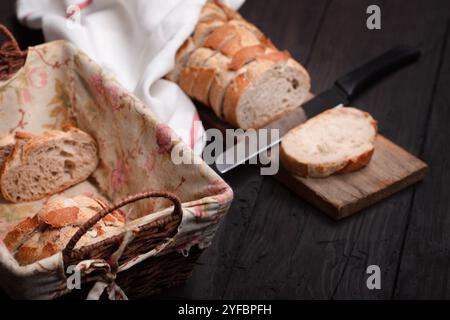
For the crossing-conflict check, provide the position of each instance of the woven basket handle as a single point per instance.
(11, 57)
(177, 211)
(11, 39)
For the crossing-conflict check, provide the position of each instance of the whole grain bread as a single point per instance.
(49, 231)
(48, 163)
(339, 140)
(229, 65)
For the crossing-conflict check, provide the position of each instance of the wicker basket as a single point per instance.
(55, 83)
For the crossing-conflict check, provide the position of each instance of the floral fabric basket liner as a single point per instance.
(57, 85)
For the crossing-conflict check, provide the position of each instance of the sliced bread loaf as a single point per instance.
(339, 140)
(47, 164)
(49, 231)
(237, 71)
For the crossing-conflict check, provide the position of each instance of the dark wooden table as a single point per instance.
(273, 244)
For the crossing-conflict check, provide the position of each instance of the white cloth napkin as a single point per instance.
(136, 40)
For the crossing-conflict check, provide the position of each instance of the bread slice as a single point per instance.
(221, 81)
(50, 229)
(47, 164)
(339, 140)
(7, 143)
(21, 233)
(273, 85)
(195, 79)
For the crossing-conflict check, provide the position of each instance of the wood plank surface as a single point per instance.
(310, 256)
(425, 266)
(402, 106)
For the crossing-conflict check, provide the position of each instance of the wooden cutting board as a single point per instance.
(391, 169)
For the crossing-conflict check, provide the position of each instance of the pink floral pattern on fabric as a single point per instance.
(119, 177)
(26, 96)
(198, 212)
(217, 186)
(149, 163)
(97, 83)
(220, 190)
(115, 98)
(37, 78)
(164, 138)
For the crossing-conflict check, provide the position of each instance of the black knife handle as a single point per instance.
(356, 81)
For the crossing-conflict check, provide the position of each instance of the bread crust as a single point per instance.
(242, 24)
(244, 38)
(217, 91)
(7, 145)
(204, 29)
(196, 78)
(232, 96)
(245, 55)
(220, 36)
(275, 56)
(291, 164)
(358, 163)
(187, 79)
(18, 235)
(202, 85)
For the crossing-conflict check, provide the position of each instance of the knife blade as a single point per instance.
(341, 93)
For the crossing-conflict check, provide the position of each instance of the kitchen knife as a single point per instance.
(341, 93)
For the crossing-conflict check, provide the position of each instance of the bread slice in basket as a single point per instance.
(48, 163)
(7, 143)
(339, 140)
(49, 231)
